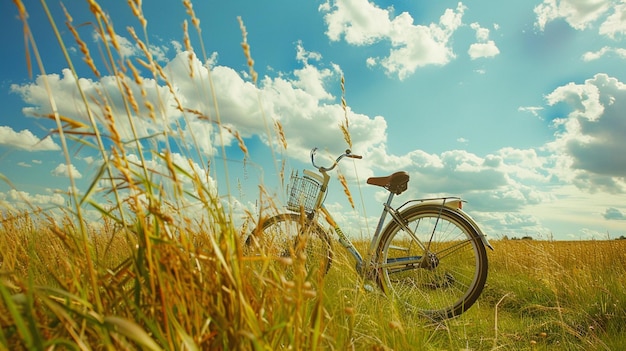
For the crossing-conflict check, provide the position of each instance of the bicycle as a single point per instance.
(431, 255)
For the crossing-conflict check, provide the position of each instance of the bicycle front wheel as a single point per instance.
(293, 237)
(436, 265)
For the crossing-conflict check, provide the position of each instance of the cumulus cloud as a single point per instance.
(128, 48)
(589, 139)
(299, 100)
(26, 140)
(15, 199)
(594, 55)
(361, 22)
(581, 15)
(498, 186)
(486, 49)
(62, 170)
(497, 182)
(483, 47)
(615, 24)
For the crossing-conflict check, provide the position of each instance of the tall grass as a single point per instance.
(153, 275)
(560, 294)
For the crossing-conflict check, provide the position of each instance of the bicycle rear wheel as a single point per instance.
(442, 277)
(292, 236)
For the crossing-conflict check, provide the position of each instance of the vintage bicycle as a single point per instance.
(430, 255)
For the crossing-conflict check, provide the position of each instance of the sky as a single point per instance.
(516, 107)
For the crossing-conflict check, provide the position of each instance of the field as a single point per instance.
(539, 295)
(149, 275)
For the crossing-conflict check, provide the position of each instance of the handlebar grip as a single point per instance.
(351, 155)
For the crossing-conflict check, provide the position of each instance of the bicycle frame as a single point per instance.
(368, 264)
(362, 265)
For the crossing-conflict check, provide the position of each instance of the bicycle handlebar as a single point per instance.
(348, 154)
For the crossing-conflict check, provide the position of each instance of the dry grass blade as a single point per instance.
(189, 49)
(23, 17)
(281, 133)
(345, 125)
(12, 304)
(132, 331)
(84, 49)
(135, 6)
(246, 51)
(346, 190)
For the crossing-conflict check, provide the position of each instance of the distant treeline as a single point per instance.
(506, 237)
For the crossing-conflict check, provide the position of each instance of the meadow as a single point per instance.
(540, 295)
(150, 275)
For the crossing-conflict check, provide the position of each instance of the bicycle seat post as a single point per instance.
(383, 216)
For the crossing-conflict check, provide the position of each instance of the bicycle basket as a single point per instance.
(303, 192)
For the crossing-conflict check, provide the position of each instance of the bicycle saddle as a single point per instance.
(396, 183)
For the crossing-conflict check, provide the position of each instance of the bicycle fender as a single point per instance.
(456, 204)
(482, 235)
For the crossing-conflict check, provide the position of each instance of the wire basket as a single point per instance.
(303, 192)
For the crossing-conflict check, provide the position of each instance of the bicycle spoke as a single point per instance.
(451, 249)
(289, 237)
(443, 280)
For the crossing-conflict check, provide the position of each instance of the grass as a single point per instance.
(151, 275)
(540, 295)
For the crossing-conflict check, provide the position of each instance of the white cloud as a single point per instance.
(594, 55)
(310, 78)
(534, 110)
(589, 138)
(303, 56)
(482, 34)
(300, 100)
(178, 47)
(63, 171)
(615, 24)
(128, 48)
(25, 140)
(484, 47)
(20, 199)
(361, 22)
(581, 15)
(66, 95)
(498, 186)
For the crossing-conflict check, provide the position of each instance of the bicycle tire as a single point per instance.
(286, 235)
(452, 278)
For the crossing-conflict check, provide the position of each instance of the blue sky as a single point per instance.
(518, 107)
